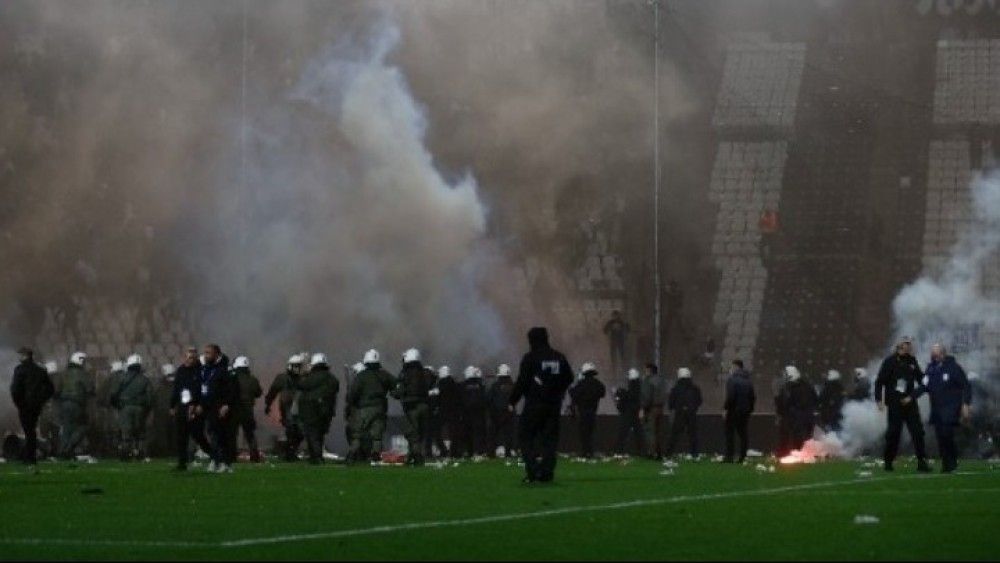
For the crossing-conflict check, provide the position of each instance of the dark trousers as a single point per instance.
(221, 431)
(314, 443)
(29, 424)
(248, 425)
(684, 423)
(473, 433)
(947, 448)
(736, 425)
(435, 435)
(628, 423)
(187, 430)
(501, 432)
(801, 429)
(538, 436)
(899, 416)
(655, 430)
(588, 420)
(293, 439)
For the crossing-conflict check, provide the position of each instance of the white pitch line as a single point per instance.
(553, 512)
(462, 521)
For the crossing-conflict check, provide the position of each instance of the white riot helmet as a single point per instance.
(588, 367)
(833, 375)
(683, 373)
(117, 365)
(444, 372)
(295, 360)
(503, 370)
(358, 368)
(472, 372)
(133, 360)
(371, 357)
(241, 362)
(167, 369)
(792, 373)
(78, 358)
(51, 366)
(318, 359)
(411, 355)
(633, 374)
(860, 373)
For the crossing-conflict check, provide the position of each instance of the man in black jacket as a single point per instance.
(542, 380)
(185, 407)
(740, 401)
(30, 388)
(684, 400)
(219, 396)
(586, 396)
(896, 389)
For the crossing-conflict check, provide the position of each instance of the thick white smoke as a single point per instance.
(347, 235)
(951, 305)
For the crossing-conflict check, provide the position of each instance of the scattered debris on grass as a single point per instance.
(865, 519)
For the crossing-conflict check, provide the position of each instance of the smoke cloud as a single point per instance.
(349, 229)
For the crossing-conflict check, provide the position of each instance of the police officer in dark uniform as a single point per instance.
(501, 419)
(30, 389)
(542, 380)
(951, 396)
(473, 414)
(586, 396)
(831, 401)
(896, 390)
(442, 403)
(413, 389)
(796, 406)
(684, 400)
(628, 400)
(284, 389)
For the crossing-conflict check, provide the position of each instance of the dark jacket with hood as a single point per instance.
(544, 373)
(948, 386)
(31, 386)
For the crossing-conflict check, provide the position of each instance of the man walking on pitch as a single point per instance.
(951, 397)
(542, 380)
(30, 388)
(896, 390)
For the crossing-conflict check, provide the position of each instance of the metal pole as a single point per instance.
(656, 180)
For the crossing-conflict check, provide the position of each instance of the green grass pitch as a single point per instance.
(605, 510)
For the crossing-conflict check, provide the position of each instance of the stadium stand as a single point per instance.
(967, 88)
(109, 331)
